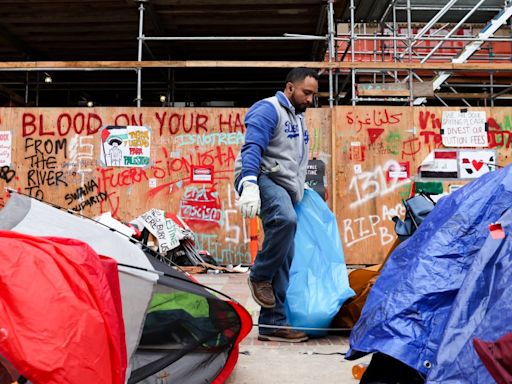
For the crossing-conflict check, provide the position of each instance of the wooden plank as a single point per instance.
(39, 65)
(382, 92)
(382, 89)
(464, 95)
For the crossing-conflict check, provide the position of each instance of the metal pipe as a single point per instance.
(395, 48)
(454, 29)
(426, 38)
(397, 99)
(375, 59)
(464, 100)
(139, 54)
(509, 88)
(476, 85)
(26, 88)
(385, 14)
(330, 26)
(37, 89)
(427, 26)
(231, 38)
(441, 100)
(459, 8)
(409, 31)
(352, 48)
(411, 94)
(53, 69)
(491, 79)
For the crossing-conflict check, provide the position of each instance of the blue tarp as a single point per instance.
(410, 305)
(482, 309)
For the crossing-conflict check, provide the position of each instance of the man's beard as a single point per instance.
(298, 108)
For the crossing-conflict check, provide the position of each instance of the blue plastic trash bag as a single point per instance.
(318, 284)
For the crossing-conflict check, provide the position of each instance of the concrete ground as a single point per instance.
(315, 361)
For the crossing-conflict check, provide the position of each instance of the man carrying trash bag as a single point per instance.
(270, 172)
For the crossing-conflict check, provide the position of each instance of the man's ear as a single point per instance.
(289, 86)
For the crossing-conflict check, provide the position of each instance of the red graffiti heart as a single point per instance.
(477, 164)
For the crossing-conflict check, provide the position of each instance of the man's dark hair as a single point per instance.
(296, 75)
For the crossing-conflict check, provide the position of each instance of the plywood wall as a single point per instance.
(370, 141)
(56, 157)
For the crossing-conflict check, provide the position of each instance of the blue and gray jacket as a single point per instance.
(277, 144)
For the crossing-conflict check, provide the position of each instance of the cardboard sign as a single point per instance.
(165, 230)
(464, 129)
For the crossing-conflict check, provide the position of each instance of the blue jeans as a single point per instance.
(275, 257)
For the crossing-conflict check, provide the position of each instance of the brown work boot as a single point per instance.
(286, 335)
(262, 293)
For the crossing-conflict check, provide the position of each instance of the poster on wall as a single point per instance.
(201, 174)
(315, 177)
(5, 148)
(464, 129)
(398, 171)
(458, 164)
(125, 146)
(475, 163)
(440, 164)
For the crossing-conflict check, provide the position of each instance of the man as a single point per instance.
(270, 172)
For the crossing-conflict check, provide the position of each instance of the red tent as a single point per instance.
(59, 317)
(497, 357)
(175, 328)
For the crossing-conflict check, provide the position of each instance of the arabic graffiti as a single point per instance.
(375, 118)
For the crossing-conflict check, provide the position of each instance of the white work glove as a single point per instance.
(249, 202)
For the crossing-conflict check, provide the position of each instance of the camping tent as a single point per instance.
(60, 311)
(410, 304)
(174, 327)
(481, 309)
(497, 357)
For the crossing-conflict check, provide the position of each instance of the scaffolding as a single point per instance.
(400, 49)
(395, 60)
(397, 48)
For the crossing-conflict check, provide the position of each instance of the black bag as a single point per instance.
(416, 210)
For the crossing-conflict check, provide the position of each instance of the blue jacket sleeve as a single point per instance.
(260, 123)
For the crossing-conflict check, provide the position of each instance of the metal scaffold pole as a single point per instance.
(352, 51)
(330, 26)
(139, 53)
(409, 48)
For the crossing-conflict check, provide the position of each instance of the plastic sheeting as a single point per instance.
(409, 307)
(318, 284)
(57, 312)
(482, 309)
